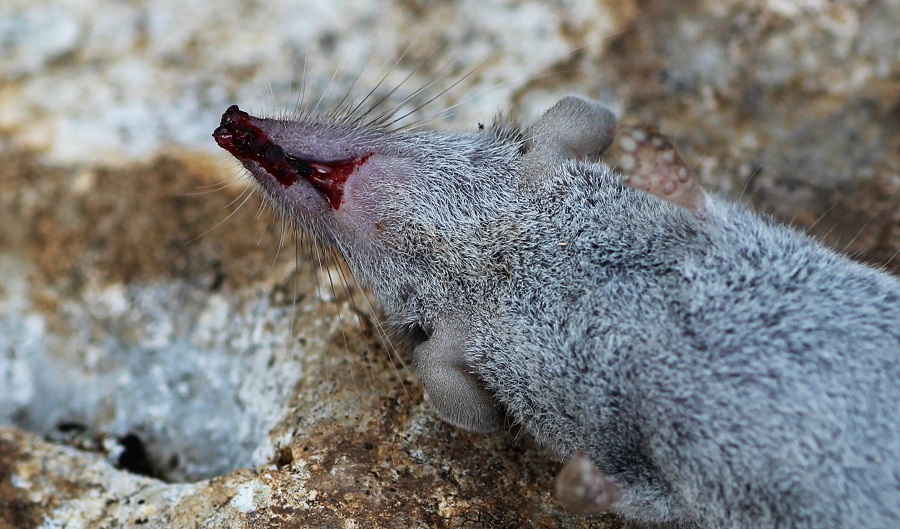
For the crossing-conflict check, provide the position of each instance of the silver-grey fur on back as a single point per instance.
(723, 370)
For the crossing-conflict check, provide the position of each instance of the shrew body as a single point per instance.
(716, 369)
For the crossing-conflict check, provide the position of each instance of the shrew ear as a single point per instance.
(456, 393)
(573, 128)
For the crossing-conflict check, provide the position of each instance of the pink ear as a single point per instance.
(650, 163)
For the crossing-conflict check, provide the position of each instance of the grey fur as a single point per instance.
(722, 370)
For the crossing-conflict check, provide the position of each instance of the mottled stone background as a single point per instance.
(164, 364)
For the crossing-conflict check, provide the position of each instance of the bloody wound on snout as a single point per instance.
(239, 136)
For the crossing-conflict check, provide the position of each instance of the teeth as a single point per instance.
(320, 168)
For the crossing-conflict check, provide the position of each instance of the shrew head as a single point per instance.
(245, 140)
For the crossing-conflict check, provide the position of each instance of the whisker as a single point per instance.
(858, 232)
(339, 111)
(822, 216)
(496, 87)
(212, 188)
(301, 96)
(380, 82)
(249, 193)
(260, 210)
(833, 226)
(280, 240)
(383, 336)
(339, 313)
(889, 261)
(444, 112)
(330, 89)
(382, 333)
(749, 181)
(387, 113)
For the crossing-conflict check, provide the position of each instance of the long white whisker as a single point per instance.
(833, 226)
(388, 115)
(858, 232)
(748, 182)
(280, 240)
(301, 96)
(396, 87)
(249, 193)
(339, 110)
(889, 261)
(444, 112)
(393, 354)
(381, 81)
(822, 216)
(212, 188)
(330, 88)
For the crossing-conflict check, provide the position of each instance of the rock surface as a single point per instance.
(170, 359)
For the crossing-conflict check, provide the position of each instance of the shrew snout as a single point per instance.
(243, 136)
